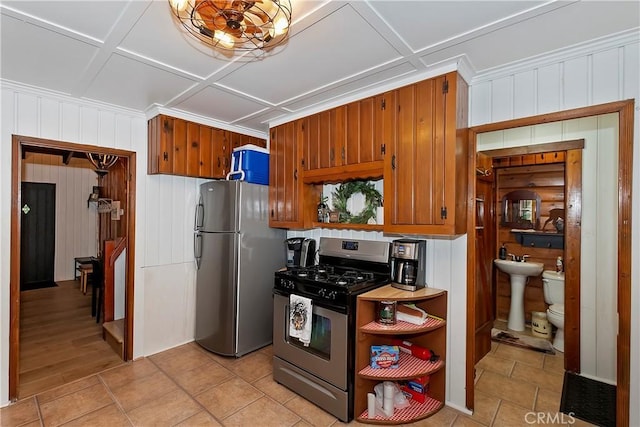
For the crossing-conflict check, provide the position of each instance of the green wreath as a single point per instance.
(343, 193)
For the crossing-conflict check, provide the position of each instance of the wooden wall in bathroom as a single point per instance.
(548, 180)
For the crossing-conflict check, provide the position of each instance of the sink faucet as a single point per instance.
(517, 258)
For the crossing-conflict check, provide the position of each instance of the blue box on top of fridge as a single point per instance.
(250, 163)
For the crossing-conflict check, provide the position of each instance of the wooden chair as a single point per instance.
(85, 271)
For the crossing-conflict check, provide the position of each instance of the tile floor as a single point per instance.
(187, 386)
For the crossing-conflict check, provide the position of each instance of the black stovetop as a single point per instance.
(329, 283)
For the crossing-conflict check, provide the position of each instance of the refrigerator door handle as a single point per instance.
(198, 221)
(197, 249)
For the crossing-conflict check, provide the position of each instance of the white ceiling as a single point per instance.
(132, 53)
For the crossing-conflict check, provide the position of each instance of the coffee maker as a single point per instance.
(408, 264)
(300, 252)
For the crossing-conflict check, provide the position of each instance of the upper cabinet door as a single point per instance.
(311, 142)
(193, 149)
(360, 132)
(221, 156)
(206, 152)
(425, 172)
(285, 176)
(179, 147)
(160, 153)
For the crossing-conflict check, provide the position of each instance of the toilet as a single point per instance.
(553, 288)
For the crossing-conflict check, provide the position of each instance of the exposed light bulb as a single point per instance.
(179, 5)
(280, 25)
(224, 39)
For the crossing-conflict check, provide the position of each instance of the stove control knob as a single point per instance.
(322, 292)
(332, 295)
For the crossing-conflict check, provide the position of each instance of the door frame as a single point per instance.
(18, 143)
(625, 111)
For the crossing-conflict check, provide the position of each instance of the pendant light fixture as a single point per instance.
(102, 162)
(235, 25)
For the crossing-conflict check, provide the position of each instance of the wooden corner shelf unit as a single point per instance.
(431, 334)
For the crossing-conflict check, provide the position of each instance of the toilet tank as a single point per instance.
(553, 287)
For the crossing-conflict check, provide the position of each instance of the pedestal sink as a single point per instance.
(519, 272)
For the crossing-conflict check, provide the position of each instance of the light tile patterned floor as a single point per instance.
(187, 386)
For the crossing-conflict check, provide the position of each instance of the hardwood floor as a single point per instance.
(59, 340)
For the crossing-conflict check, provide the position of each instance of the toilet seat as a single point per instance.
(557, 309)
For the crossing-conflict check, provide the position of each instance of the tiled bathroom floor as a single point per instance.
(187, 386)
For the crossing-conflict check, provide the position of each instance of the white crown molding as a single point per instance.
(60, 96)
(559, 55)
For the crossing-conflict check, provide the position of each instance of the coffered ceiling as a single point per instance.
(133, 54)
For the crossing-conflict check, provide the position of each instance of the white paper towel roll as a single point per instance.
(388, 396)
(371, 405)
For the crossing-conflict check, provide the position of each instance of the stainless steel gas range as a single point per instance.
(323, 370)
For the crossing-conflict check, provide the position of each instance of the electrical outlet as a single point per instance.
(115, 210)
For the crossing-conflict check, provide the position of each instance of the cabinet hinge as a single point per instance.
(383, 149)
(445, 86)
(165, 156)
(383, 104)
(443, 212)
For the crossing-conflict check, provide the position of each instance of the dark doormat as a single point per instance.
(589, 400)
(37, 285)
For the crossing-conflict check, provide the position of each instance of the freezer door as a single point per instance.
(217, 207)
(216, 293)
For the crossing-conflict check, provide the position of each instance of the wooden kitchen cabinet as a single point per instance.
(287, 194)
(193, 149)
(431, 335)
(364, 134)
(323, 139)
(168, 145)
(181, 147)
(205, 153)
(221, 157)
(426, 167)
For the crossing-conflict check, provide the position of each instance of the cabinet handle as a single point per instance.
(194, 144)
(218, 161)
(295, 174)
(272, 213)
(393, 161)
(165, 156)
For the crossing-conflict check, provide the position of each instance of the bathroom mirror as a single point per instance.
(521, 209)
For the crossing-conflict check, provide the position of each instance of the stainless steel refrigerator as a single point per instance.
(236, 256)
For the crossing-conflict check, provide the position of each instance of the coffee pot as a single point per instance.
(408, 264)
(300, 252)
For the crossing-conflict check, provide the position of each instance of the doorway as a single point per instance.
(20, 146)
(37, 240)
(624, 111)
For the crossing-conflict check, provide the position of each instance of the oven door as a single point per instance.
(326, 354)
